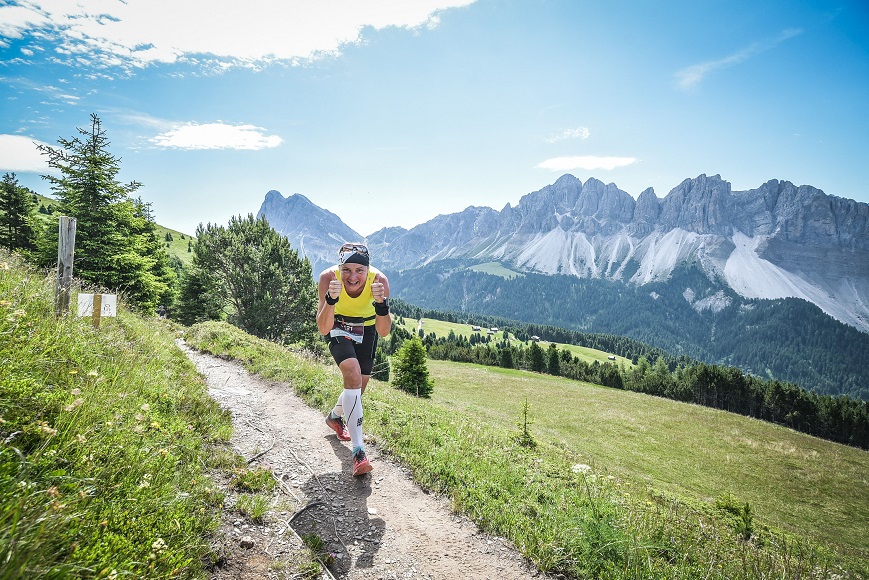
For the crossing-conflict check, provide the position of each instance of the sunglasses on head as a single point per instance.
(358, 248)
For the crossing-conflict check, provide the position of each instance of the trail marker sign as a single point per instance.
(97, 306)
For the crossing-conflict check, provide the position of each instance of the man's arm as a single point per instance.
(331, 285)
(380, 290)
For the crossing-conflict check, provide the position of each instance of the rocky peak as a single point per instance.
(701, 205)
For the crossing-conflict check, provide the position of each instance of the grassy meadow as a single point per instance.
(107, 438)
(604, 483)
(792, 481)
(442, 328)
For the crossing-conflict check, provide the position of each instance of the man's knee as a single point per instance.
(352, 374)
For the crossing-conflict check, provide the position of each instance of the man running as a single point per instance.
(353, 312)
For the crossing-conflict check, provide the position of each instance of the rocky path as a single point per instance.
(378, 526)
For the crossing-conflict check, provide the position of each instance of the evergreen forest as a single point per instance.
(786, 339)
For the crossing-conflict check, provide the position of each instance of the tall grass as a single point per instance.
(567, 517)
(103, 437)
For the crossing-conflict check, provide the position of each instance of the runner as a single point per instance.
(353, 312)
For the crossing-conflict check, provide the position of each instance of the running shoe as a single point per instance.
(337, 425)
(361, 465)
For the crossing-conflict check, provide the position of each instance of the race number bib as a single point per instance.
(352, 332)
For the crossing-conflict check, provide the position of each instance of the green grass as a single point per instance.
(618, 485)
(496, 269)
(442, 329)
(793, 481)
(178, 245)
(105, 437)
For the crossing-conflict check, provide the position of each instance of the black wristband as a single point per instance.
(331, 301)
(382, 308)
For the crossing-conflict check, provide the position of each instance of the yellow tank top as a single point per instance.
(361, 308)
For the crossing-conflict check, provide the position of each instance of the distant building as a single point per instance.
(612, 357)
(535, 338)
(475, 328)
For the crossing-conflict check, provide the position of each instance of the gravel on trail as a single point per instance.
(381, 525)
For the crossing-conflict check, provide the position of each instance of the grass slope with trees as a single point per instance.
(786, 339)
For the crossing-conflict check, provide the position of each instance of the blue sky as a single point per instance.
(392, 112)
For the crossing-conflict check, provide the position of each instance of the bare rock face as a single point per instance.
(774, 241)
(312, 231)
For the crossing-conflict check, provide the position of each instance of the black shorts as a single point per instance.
(343, 348)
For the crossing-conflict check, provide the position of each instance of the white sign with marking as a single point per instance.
(109, 305)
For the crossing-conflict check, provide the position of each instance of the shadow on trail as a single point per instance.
(340, 518)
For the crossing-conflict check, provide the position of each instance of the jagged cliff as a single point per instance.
(779, 240)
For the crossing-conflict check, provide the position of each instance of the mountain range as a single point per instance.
(776, 241)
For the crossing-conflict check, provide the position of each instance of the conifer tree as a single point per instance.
(17, 231)
(114, 233)
(553, 366)
(409, 369)
(265, 286)
(537, 358)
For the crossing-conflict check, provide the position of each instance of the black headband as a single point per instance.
(355, 258)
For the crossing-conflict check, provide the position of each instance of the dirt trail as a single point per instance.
(380, 525)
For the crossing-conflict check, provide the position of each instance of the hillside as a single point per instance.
(786, 339)
(636, 485)
(642, 482)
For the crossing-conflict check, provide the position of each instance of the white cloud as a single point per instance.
(136, 33)
(587, 162)
(578, 133)
(19, 154)
(691, 76)
(216, 136)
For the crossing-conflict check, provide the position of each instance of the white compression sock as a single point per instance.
(353, 404)
(338, 410)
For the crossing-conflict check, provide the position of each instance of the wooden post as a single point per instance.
(98, 309)
(65, 252)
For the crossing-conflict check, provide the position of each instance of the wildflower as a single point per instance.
(76, 391)
(109, 423)
(155, 425)
(80, 438)
(159, 545)
(144, 484)
(4, 265)
(77, 403)
(19, 313)
(163, 452)
(580, 468)
(140, 417)
(5, 303)
(73, 372)
(93, 373)
(146, 407)
(52, 491)
(45, 428)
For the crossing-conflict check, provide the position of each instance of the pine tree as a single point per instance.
(553, 367)
(268, 289)
(17, 231)
(114, 246)
(409, 369)
(537, 358)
